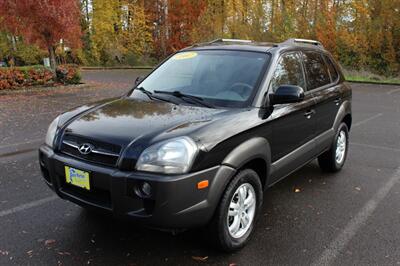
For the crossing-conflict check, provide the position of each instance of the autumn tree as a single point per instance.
(135, 36)
(16, 51)
(173, 22)
(119, 28)
(362, 34)
(43, 22)
(181, 19)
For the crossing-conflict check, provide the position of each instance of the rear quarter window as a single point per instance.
(316, 70)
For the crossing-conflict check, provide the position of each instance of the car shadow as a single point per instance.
(113, 241)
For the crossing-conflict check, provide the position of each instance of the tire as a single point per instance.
(219, 227)
(334, 159)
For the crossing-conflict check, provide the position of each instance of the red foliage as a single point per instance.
(39, 76)
(173, 22)
(181, 18)
(68, 74)
(43, 22)
(13, 78)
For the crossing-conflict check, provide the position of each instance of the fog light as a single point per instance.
(145, 189)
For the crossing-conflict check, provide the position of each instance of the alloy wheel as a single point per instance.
(241, 210)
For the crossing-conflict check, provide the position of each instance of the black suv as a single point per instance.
(200, 139)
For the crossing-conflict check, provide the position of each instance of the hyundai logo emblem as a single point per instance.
(85, 148)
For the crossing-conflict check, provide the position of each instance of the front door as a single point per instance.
(293, 125)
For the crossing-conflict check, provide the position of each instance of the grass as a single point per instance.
(365, 76)
(351, 78)
(25, 68)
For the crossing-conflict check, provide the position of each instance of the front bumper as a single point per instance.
(175, 201)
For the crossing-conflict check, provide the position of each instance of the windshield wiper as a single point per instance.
(181, 95)
(148, 93)
(152, 96)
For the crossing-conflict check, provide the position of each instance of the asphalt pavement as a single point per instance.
(348, 218)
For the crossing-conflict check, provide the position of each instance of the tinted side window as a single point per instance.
(331, 68)
(289, 71)
(316, 69)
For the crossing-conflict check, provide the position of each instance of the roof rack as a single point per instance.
(231, 40)
(303, 41)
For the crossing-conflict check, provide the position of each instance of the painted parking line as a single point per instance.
(367, 120)
(393, 91)
(375, 147)
(19, 152)
(37, 114)
(27, 206)
(21, 143)
(340, 242)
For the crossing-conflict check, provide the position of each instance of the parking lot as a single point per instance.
(352, 217)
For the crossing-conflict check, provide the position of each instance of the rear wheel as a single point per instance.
(334, 159)
(235, 217)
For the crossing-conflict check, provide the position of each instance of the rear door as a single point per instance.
(322, 81)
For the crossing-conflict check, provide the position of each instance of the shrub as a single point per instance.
(39, 76)
(68, 74)
(17, 77)
(12, 78)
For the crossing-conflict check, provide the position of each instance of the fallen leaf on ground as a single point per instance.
(358, 188)
(200, 258)
(297, 190)
(49, 242)
(64, 253)
(3, 252)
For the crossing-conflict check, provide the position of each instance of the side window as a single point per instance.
(331, 68)
(288, 71)
(316, 69)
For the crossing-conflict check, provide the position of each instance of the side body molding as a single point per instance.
(255, 148)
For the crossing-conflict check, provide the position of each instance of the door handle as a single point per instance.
(337, 101)
(309, 113)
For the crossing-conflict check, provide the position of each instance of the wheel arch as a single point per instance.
(347, 119)
(255, 154)
(343, 115)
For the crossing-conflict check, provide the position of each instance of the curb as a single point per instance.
(374, 83)
(42, 89)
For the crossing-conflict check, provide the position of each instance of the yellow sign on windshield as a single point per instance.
(183, 56)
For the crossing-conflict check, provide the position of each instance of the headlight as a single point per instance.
(174, 156)
(51, 132)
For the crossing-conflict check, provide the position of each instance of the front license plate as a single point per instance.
(77, 177)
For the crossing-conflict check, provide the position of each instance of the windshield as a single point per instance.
(219, 77)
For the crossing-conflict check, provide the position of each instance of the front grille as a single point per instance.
(103, 153)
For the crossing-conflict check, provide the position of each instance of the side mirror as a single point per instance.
(138, 80)
(287, 94)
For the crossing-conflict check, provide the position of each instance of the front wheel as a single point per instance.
(235, 217)
(334, 159)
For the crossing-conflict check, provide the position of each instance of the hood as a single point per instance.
(122, 121)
